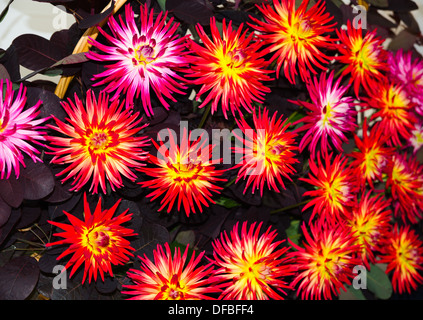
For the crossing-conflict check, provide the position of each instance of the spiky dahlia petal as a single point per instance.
(250, 265)
(405, 182)
(267, 151)
(335, 187)
(143, 58)
(330, 114)
(370, 221)
(230, 68)
(296, 36)
(393, 110)
(99, 241)
(170, 277)
(404, 256)
(364, 57)
(408, 72)
(372, 155)
(99, 142)
(325, 262)
(20, 129)
(182, 173)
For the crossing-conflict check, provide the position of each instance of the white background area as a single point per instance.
(43, 19)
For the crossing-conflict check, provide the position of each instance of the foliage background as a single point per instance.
(26, 204)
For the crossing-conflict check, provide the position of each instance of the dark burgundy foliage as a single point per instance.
(27, 203)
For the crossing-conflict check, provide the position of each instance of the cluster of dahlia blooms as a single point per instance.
(364, 202)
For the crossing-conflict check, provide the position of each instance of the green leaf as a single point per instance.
(293, 231)
(162, 4)
(379, 283)
(379, 3)
(356, 293)
(5, 10)
(227, 202)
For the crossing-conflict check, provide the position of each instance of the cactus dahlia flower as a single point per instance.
(141, 59)
(231, 68)
(296, 36)
(268, 152)
(407, 72)
(370, 221)
(98, 241)
(372, 155)
(100, 141)
(19, 129)
(325, 263)
(405, 182)
(250, 266)
(182, 173)
(404, 256)
(364, 57)
(335, 187)
(394, 111)
(330, 114)
(170, 277)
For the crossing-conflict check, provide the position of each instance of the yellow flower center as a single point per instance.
(326, 113)
(174, 290)
(328, 263)
(98, 140)
(97, 239)
(232, 63)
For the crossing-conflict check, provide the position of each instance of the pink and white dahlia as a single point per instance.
(408, 72)
(330, 114)
(144, 59)
(19, 129)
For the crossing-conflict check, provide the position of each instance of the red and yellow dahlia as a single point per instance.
(364, 57)
(394, 111)
(250, 266)
(144, 59)
(100, 141)
(296, 36)
(19, 129)
(183, 173)
(170, 278)
(329, 116)
(404, 256)
(335, 187)
(325, 262)
(372, 155)
(267, 151)
(405, 182)
(231, 68)
(98, 241)
(370, 221)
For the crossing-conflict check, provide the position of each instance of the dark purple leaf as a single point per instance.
(30, 214)
(57, 209)
(95, 19)
(66, 39)
(107, 286)
(59, 194)
(9, 226)
(35, 52)
(410, 21)
(150, 235)
(3, 73)
(403, 40)
(51, 103)
(191, 11)
(5, 211)
(18, 278)
(399, 6)
(38, 181)
(9, 59)
(11, 191)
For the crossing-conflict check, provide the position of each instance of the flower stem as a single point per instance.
(290, 207)
(205, 116)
